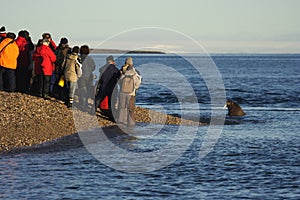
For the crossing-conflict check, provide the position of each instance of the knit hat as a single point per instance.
(75, 49)
(64, 40)
(11, 35)
(2, 29)
(46, 35)
(110, 58)
(129, 61)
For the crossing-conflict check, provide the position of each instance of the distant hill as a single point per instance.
(119, 51)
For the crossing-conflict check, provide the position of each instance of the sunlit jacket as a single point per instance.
(23, 58)
(9, 55)
(44, 59)
(72, 68)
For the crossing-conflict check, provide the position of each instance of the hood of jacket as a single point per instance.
(21, 42)
(38, 50)
(23, 58)
(72, 56)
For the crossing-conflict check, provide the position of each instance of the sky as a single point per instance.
(216, 26)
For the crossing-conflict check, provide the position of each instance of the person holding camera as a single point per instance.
(52, 44)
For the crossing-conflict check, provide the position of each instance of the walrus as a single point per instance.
(234, 109)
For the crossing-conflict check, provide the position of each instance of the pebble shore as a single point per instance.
(27, 120)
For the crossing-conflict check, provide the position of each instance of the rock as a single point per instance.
(27, 120)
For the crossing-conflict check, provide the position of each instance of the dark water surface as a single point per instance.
(255, 157)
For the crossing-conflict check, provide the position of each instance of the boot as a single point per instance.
(70, 103)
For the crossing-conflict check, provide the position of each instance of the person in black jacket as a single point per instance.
(2, 33)
(109, 76)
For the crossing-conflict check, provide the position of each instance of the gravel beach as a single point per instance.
(27, 120)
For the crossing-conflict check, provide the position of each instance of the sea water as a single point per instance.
(254, 157)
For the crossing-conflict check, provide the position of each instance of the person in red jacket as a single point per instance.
(53, 47)
(44, 59)
(23, 72)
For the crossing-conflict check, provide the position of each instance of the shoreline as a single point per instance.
(27, 120)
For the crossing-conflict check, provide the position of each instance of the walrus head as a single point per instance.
(234, 109)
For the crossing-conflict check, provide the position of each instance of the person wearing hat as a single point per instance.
(109, 76)
(60, 52)
(2, 33)
(44, 59)
(86, 87)
(52, 44)
(9, 52)
(23, 71)
(72, 71)
(128, 92)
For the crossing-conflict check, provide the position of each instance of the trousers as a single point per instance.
(127, 106)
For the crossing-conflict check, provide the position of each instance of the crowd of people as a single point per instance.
(50, 71)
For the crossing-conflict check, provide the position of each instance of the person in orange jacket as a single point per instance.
(9, 52)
